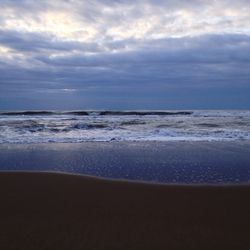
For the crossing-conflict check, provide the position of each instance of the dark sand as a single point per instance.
(60, 211)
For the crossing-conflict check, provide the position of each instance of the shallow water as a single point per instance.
(165, 162)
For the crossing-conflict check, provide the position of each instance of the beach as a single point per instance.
(125, 125)
(161, 162)
(125, 195)
(63, 211)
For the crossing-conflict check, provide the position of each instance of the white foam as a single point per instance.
(200, 126)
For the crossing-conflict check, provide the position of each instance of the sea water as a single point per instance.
(81, 126)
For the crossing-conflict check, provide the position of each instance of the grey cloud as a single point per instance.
(210, 59)
(31, 41)
(204, 49)
(111, 72)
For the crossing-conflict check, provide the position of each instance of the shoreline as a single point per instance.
(120, 180)
(157, 162)
(68, 211)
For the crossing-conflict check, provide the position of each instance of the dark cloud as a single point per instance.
(212, 61)
(205, 49)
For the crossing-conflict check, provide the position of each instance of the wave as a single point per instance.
(75, 113)
(209, 125)
(145, 113)
(45, 113)
(89, 126)
(133, 122)
(78, 126)
(28, 113)
(86, 113)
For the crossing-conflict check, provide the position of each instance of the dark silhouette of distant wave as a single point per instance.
(28, 113)
(16, 113)
(145, 113)
(102, 113)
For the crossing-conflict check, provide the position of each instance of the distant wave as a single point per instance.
(89, 126)
(28, 113)
(75, 113)
(45, 113)
(102, 113)
(145, 113)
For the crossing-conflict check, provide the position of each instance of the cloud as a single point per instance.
(104, 48)
(34, 42)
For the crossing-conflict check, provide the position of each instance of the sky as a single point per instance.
(124, 54)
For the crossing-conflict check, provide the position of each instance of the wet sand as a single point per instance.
(62, 211)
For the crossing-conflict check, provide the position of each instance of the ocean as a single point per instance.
(187, 146)
(106, 126)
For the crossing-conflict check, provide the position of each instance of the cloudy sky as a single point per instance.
(124, 54)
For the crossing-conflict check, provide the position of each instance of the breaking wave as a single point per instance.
(80, 126)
